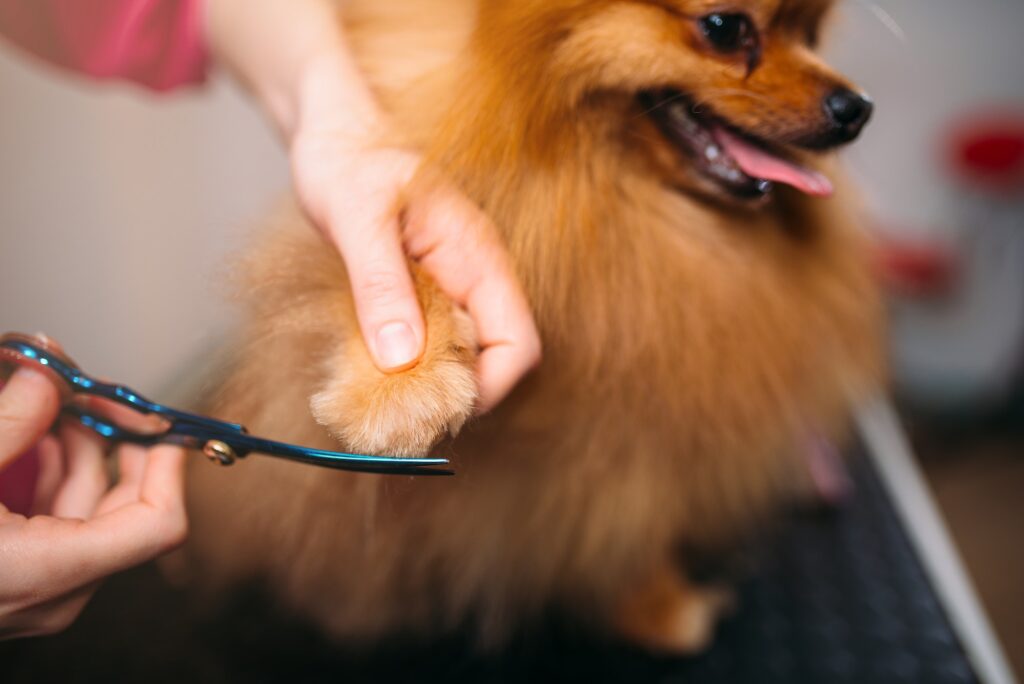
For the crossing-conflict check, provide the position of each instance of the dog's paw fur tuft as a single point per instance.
(404, 413)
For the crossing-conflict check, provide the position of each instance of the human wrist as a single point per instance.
(331, 96)
(308, 78)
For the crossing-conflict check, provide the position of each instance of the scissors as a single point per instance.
(221, 442)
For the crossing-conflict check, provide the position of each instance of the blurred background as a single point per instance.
(119, 210)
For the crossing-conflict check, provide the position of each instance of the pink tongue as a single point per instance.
(757, 163)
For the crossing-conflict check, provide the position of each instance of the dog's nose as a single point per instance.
(848, 111)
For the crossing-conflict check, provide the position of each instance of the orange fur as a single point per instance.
(690, 344)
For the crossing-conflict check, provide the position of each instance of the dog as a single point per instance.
(655, 169)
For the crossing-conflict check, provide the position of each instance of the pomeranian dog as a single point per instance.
(655, 169)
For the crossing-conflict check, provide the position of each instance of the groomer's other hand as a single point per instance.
(352, 193)
(350, 187)
(81, 529)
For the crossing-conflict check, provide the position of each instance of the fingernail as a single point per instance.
(396, 346)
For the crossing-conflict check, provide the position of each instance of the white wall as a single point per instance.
(116, 211)
(925, 62)
(929, 63)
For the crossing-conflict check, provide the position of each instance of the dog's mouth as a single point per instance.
(740, 164)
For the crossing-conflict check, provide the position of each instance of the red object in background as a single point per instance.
(987, 152)
(916, 268)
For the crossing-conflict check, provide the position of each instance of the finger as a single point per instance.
(510, 344)
(131, 467)
(71, 553)
(121, 415)
(51, 474)
(153, 524)
(510, 348)
(385, 298)
(460, 248)
(163, 482)
(86, 478)
(50, 617)
(28, 405)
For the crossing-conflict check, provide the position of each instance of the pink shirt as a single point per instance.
(157, 43)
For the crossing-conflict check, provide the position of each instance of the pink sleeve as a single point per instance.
(157, 43)
(18, 483)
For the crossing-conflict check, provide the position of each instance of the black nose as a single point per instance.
(848, 111)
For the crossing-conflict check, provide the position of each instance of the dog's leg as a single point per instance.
(403, 413)
(669, 614)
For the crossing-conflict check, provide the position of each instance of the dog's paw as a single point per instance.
(687, 628)
(673, 617)
(404, 413)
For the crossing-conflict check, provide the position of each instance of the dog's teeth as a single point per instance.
(712, 152)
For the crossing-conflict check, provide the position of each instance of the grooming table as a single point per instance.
(871, 593)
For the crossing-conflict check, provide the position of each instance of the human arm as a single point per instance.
(349, 185)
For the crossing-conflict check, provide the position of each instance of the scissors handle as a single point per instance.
(221, 441)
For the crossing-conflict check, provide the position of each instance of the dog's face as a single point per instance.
(734, 88)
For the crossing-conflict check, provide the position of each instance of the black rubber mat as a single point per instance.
(839, 597)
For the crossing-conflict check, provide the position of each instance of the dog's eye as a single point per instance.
(729, 32)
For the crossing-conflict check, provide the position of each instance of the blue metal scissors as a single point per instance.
(221, 442)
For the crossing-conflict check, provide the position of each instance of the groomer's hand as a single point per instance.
(82, 529)
(352, 191)
(351, 187)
